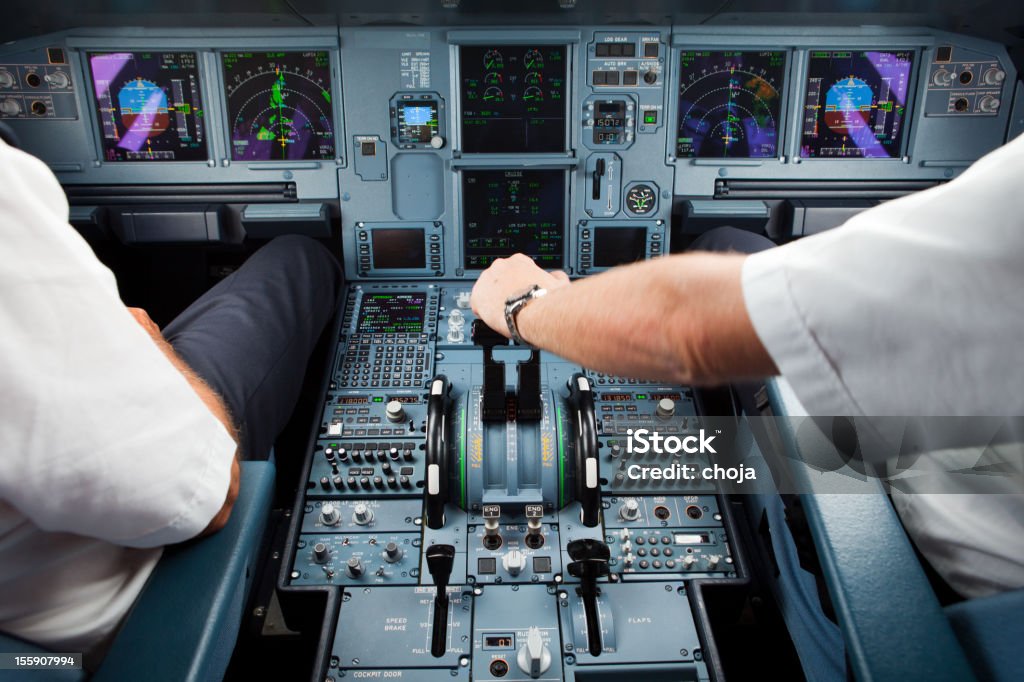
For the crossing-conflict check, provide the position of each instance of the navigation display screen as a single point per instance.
(399, 248)
(730, 103)
(513, 211)
(855, 105)
(513, 98)
(392, 313)
(149, 106)
(619, 245)
(279, 105)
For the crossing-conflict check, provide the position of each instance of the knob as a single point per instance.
(354, 567)
(627, 546)
(320, 553)
(628, 559)
(10, 107)
(713, 560)
(325, 483)
(688, 561)
(6, 79)
(392, 552)
(991, 77)
(513, 562)
(455, 335)
(329, 514)
(462, 300)
(395, 412)
(651, 77)
(437, 142)
(456, 318)
(534, 658)
(630, 510)
(989, 104)
(362, 514)
(616, 449)
(58, 79)
(942, 78)
(666, 408)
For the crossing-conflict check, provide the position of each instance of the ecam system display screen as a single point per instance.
(513, 211)
(730, 103)
(856, 103)
(513, 98)
(398, 313)
(279, 105)
(619, 245)
(149, 106)
(395, 248)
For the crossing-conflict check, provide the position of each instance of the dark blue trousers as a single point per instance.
(250, 336)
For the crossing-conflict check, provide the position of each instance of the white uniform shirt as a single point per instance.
(916, 308)
(106, 452)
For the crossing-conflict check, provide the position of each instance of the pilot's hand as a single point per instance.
(505, 278)
(147, 323)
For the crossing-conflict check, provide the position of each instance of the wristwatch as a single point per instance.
(514, 305)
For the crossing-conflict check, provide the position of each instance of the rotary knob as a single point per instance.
(688, 561)
(994, 77)
(395, 412)
(666, 408)
(456, 318)
(392, 552)
(354, 567)
(514, 562)
(630, 510)
(320, 553)
(10, 107)
(463, 299)
(437, 142)
(989, 104)
(57, 79)
(329, 514)
(942, 78)
(534, 658)
(362, 514)
(713, 560)
(6, 79)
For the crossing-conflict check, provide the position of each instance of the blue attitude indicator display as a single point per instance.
(729, 103)
(279, 105)
(148, 106)
(417, 122)
(855, 104)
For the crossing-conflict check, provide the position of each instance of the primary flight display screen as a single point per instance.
(513, 98)
(855, 105)
(392, 313)
(729, 103)
(513, 211)
(417, 122)
(279, 105)
(149, 106)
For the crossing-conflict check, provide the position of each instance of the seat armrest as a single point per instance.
(185, 622)
(991, 630)
(891, 620)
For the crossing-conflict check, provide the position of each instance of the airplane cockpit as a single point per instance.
(442, 502)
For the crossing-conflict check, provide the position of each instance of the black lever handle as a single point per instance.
(437, 452)
(598, 174)
(588, 482)
(590, 562)
(440, 560)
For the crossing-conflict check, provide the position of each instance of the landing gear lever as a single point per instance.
(440, 560)
(590, 562)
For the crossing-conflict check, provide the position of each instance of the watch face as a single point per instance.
(641, 200)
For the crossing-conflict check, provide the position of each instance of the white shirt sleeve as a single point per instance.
(101, 435)
(911, 308)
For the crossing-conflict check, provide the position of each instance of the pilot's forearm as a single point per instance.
(680, 319)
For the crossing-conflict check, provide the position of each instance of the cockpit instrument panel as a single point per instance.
(730, 103)
(279, 105)
(513, 98)
(148, 106)
(513, 211)
(856, 103)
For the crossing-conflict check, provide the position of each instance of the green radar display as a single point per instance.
(279, 105)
